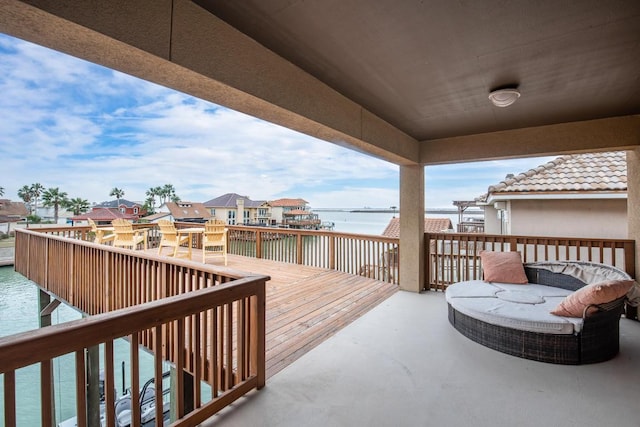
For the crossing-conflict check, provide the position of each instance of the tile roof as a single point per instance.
(114, 204)
(156, 216)
(286, 203)
(12, 210)
(188, 210)
(591, 172)
(431, 225)
(103, 214)
(229, 201)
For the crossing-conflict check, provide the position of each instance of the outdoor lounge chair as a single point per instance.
(126, 236)
(214, 240)
(170, 237)
(101, 235)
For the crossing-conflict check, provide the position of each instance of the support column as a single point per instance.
(412, 228)
(633, 207)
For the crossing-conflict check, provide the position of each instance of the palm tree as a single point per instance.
(36, 190)
(152, 193)
(25, 194)
(55, 198)
(117, 193)
(150, 205)
(168, 193)
(78, 205)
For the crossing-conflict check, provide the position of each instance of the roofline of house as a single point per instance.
(575, 195)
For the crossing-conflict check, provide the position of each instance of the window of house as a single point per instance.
(231, 217)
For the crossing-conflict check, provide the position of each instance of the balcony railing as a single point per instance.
(449, 257)
(454, 257)
(208, 324)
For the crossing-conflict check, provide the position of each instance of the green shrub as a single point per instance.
(34, 219)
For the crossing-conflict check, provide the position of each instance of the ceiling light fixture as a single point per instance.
(504, 97)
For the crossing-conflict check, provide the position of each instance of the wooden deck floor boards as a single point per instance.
(306, 305)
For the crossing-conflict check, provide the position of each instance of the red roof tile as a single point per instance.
(12, 211)
(591, 172)
(103, 214)
(285, 203)
(431, 225)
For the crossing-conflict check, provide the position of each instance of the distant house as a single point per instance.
(124, 206)
(579, 195)
(103, 216)
(157, 217)
(293, 213)
(11, 212)
(431, 225)
(236, 209)
(184, 211)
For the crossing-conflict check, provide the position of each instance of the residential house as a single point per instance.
(289, 212)
(579, 195)
(103, 216)
(11, 212)
(183, 211)
(431, 225)
(125, 206)
(236, 209)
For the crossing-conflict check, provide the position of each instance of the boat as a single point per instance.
(123, 405)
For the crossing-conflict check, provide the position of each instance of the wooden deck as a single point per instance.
(306, 305)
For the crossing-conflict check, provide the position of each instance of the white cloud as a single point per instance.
(74, 125)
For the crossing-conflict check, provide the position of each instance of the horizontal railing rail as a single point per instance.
(376, 257)
(454, 257)
(208, 324)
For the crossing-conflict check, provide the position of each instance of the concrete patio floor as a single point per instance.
(403, 364)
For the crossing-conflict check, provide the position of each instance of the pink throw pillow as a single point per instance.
(598, 293)
(503, 267)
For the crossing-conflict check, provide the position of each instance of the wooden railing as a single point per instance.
(208, 324)
(376, 257)
(372, 256)
(449, 257)
(453, 257)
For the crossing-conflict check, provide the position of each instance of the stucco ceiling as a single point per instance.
(426, 67)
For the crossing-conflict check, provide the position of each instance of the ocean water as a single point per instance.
(372, 223)
(19, 313)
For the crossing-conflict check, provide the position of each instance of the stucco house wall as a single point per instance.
(596, 218)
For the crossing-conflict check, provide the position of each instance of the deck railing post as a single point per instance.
(630, 258)
(299, 248)
(258, 244)
(332, 252)
(427, 263)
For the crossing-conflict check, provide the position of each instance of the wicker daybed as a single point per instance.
(526, 328)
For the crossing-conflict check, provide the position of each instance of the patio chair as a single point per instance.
(170, 237)
(126, 236)
(214, 240)
(100, 235)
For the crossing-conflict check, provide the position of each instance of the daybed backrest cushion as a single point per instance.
(599, 293)
(503, 267)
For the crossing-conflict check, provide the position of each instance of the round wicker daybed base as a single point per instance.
(597, 341)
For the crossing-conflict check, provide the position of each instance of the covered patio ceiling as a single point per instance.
(427, 67)
(404, 81)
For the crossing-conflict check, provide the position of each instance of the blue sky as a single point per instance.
(67, 123)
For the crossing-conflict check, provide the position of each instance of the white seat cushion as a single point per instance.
(479, 300)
